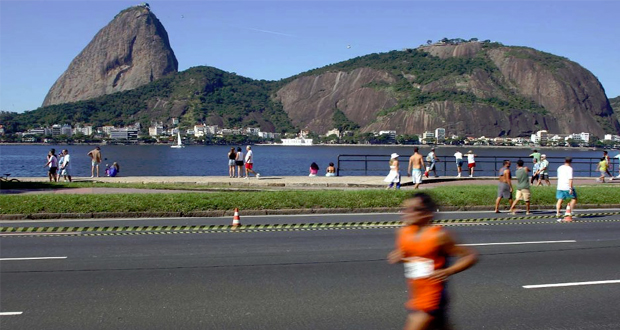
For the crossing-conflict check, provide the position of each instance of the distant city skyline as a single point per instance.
(274, 40)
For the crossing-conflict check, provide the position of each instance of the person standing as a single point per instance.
(432, 160)
(566, 190)
(535, 172)
(61, 157)
(52, 165)
(232, 155)
(535, 156)
(544, 170)
(415, 168)
(423, 249)
(65, 167)
(471, 163)
(459, 162)
(504, 188)
(602, 168)
(394, 176)
(249, 163)
(95, 160)
(239, 162)
(523, 187)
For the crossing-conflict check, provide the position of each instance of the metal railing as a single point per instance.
(485, 165)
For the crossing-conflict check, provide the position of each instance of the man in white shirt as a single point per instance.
(249, 163)
(65, 166)
(565, 189)
(459, 162)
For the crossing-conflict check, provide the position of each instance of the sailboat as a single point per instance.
(179, 143)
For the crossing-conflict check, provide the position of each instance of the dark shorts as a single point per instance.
(503, 190)
(53, 170)
(459, 163)
(544, 176)
(239, 162)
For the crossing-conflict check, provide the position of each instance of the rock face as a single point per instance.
(131, 51)
(553, 93)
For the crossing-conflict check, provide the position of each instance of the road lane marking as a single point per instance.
(538, 286)
(10, 313)
(32, 258)
(519, 243)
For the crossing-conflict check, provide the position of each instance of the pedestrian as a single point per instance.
(314, 169)
(95, 160)
(618, 156)
(606, 156)
(65, 166)
(432, 160)
(523, 187)
(544, 170)
(423, 249)
(459, 162)
(504, 188)
(61, 158)
(535, 156)
(394, 176)
(535, 172)
(415, 168)
(52, 165)
(114, 169)
(471, 163)
(239, 162)
(232, 155)
(249, 163)
(602, 168)
(566, 190)
(331, 170)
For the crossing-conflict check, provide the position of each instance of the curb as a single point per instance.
(223, 213)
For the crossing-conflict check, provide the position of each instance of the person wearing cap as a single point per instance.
(394, 176)
(432, 160)
(544, 170)
(471, 162)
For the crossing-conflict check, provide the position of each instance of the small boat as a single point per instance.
(179, 143)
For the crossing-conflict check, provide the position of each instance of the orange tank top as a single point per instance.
(422, 254)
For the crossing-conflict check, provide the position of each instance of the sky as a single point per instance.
(273, 40)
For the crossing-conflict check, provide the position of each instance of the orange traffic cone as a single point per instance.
(568, 217)
(236, 219)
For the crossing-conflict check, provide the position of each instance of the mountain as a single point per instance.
(131, 51)
(615, 103)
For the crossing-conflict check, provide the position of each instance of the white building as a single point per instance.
(440, 134)
(297, 142)
(156, 130)
(611, 137)
(252, 131)
(390, 134)
(334, 131)
(428, 137)
(85, 130)
(199, 130)
(66, 130)
(268, 135)
(211, 129)
(126, 133)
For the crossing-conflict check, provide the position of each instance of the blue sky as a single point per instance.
(277, 39)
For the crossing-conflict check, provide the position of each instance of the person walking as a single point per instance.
(523, 187)
(471, 162)
(535, 156)
(565, 190)
(65, 166)
(415, 168)
(239, 162)
(544, 170)
(535, 172)
(606, 157)
(618, 156)
(232, 155)
(423, 249)
(52, 165)
(504, 188)
(432, 160)
(602, 168)
(249, 163)
(95, 160)
(459, 162)
(61, 158)
(394, 176)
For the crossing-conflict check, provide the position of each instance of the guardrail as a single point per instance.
(485, 165)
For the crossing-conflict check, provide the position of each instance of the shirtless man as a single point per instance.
(95, 157)
(416, 167)
(504, 189)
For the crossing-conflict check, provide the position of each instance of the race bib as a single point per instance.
(417, 267)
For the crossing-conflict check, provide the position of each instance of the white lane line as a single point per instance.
(31, 258)
(538, 286)
(10, 313)
(519, 243)
(73, 233)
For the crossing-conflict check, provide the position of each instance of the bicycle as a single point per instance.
(5, 178)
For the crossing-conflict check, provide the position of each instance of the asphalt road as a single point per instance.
(306, 279)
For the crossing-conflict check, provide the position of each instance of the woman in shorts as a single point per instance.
(232, 156)
(239, 162)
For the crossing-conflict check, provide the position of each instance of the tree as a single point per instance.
(429, 41)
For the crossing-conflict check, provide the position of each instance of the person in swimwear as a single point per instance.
(423, 249)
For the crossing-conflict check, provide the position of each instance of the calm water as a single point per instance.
(28, 160)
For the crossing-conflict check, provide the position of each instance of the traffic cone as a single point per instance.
(236, 219)
(568, 217)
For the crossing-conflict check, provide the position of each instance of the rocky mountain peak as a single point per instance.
(129, 52)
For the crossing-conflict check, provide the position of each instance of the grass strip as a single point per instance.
(458, 196)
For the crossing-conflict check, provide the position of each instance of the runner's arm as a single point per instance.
(466, 257)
